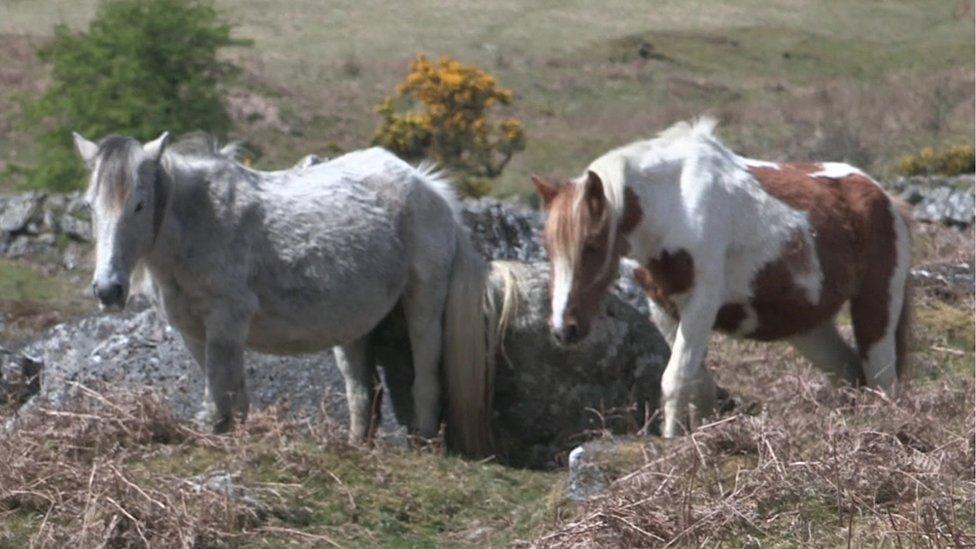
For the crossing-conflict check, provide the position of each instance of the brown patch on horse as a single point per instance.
(666, 275)
(870, 305)
(730, 317)
(855, 243)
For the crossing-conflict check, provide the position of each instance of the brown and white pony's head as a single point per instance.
(585, 237)
(127, 197)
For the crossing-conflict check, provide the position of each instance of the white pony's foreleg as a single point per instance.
(358, 369)
(686, 382)
(198, 350)
(225, 368)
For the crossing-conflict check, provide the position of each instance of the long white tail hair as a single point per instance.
(473, 327)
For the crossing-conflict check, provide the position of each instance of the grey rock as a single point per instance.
(945, 279)
(18, 211)
(595, 464)
(20, 246)
(586, 479)
(56, 203)
(549, 397)
(19, 377)
(504, 231)
(75, 227)
(135, 349)
(229, 485)
(50, 221)
(939, 199)
(76, 205)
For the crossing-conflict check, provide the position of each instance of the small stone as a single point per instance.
(76, 228)
(19, 210)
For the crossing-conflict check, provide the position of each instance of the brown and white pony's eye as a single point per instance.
(139, 206)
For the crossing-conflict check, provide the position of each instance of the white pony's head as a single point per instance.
(127, 200)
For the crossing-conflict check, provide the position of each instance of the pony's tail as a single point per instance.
(474, 328)
(903, 330)
(468, 354)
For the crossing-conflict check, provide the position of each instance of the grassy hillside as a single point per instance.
(861, 80)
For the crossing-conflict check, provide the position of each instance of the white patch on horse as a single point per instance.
(753, 163)
(562, 282)
(837, 170)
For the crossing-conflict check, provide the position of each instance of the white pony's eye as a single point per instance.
(139, 206)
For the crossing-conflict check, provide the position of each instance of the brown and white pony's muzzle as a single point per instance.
(567, 324)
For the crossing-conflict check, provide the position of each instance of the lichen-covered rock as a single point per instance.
(595, 464)
(135, 349)
(16, 212)
(548, 397)
(504, 231)
(939, 199)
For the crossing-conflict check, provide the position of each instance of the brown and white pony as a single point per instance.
(754, 249)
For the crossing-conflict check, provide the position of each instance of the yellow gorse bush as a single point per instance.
(952, 161)
(441, 111)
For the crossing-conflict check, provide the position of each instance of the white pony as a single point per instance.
(756, 249)
(297, 261)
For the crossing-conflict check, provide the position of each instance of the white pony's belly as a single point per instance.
(317, 327)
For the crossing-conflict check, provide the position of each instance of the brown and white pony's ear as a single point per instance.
(154, 149)
(596, 201)
(546, 189)
(86, 149)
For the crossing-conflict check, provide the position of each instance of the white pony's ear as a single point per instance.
(86, 149)
(154, 149)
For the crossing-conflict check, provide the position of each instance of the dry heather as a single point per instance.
(821, 468)
(88, 473)
(116, 469)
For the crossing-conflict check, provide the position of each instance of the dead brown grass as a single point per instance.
(823, 468)
(83, 470)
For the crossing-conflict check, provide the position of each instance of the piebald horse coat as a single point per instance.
(756, 249)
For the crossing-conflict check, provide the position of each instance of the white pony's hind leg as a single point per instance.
(423, 304)
(826, 349)
(358, 369)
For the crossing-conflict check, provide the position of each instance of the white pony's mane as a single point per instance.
(200, 150)
(437, 179)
